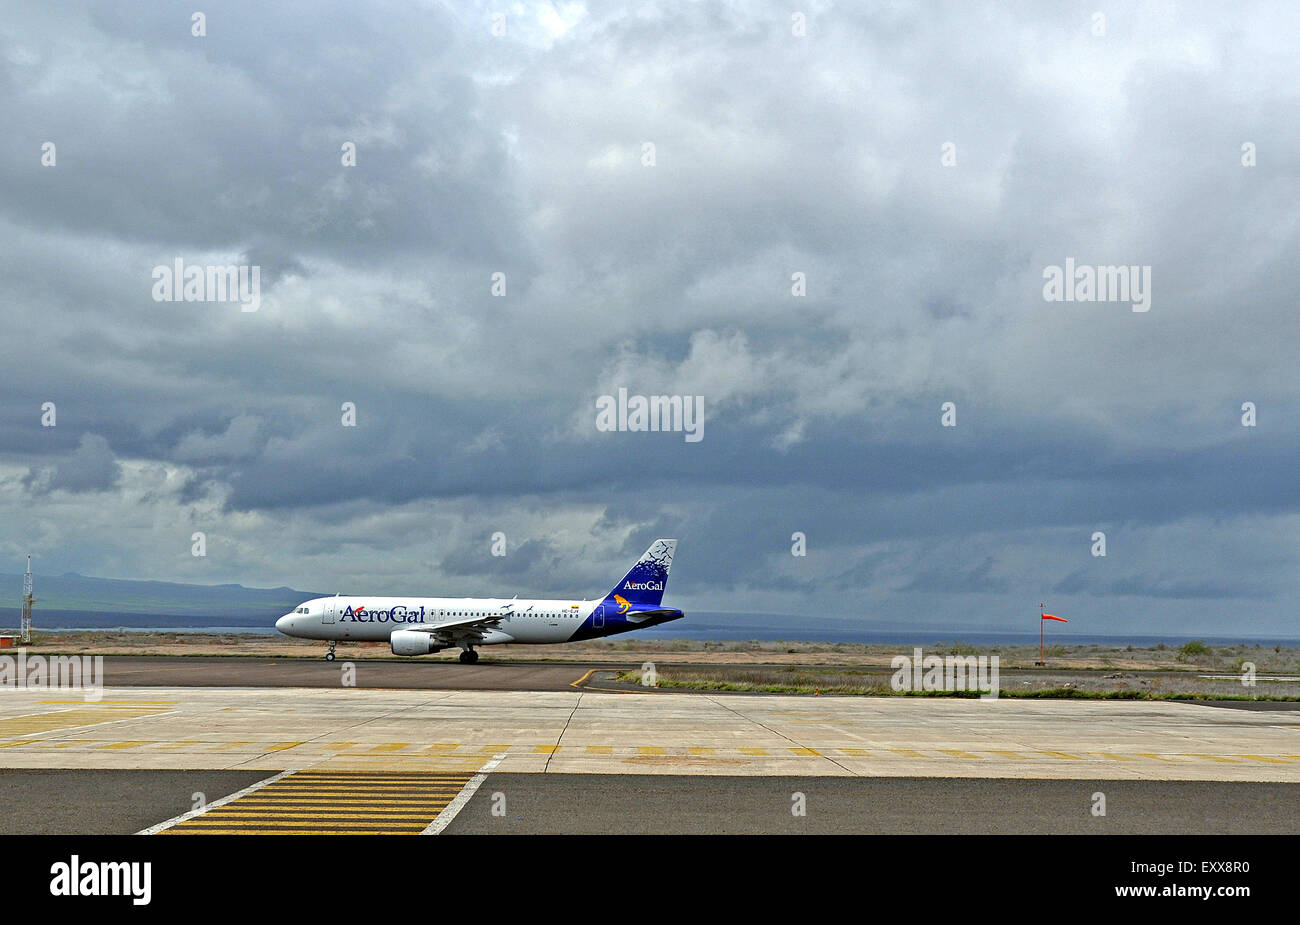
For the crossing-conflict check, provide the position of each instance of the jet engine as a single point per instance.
(413, 642)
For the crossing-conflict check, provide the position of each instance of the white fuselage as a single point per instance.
(375, 618)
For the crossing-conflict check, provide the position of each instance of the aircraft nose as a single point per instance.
(285, 623)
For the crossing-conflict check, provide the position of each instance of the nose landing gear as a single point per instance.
(468, 656)
(329, 656)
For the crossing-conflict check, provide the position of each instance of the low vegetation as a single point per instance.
(1058, 682)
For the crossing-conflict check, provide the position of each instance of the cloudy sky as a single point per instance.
(919, 165)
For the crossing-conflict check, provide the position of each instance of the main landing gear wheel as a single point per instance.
(468, 657)
(329, 656)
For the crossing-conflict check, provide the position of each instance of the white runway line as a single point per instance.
(455, 806)
(155, 829)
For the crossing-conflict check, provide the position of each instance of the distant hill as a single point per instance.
(77, 600)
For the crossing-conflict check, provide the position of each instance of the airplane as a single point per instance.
(421, 626)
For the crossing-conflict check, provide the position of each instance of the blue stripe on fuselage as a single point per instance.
(615, 623)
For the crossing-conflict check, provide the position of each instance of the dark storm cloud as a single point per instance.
(1146, 585)
(531, 559)
(235, 137)
(91, 467)
(977, 580)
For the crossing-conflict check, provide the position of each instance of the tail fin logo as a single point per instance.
(643, 586)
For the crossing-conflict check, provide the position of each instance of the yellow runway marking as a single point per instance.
(334, 799)
(350, 806)
(347, 773)
(333, 802)
(394, 767)
(333, 791)
(218, 815)
(397, 779)
(304, 826)
(119, 703)
(343, 789)
(229, 831)
(66, 719)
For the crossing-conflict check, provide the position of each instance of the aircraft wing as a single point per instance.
(464, 628)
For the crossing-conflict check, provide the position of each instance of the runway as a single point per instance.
(888, 806)
(385, 760)
(123, 802)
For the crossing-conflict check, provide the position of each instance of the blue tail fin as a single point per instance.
(644, 586)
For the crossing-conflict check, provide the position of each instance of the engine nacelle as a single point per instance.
(413, 642)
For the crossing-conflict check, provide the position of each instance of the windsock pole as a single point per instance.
(1043, 617)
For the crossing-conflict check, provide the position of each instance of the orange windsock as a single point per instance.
(1048, 616)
